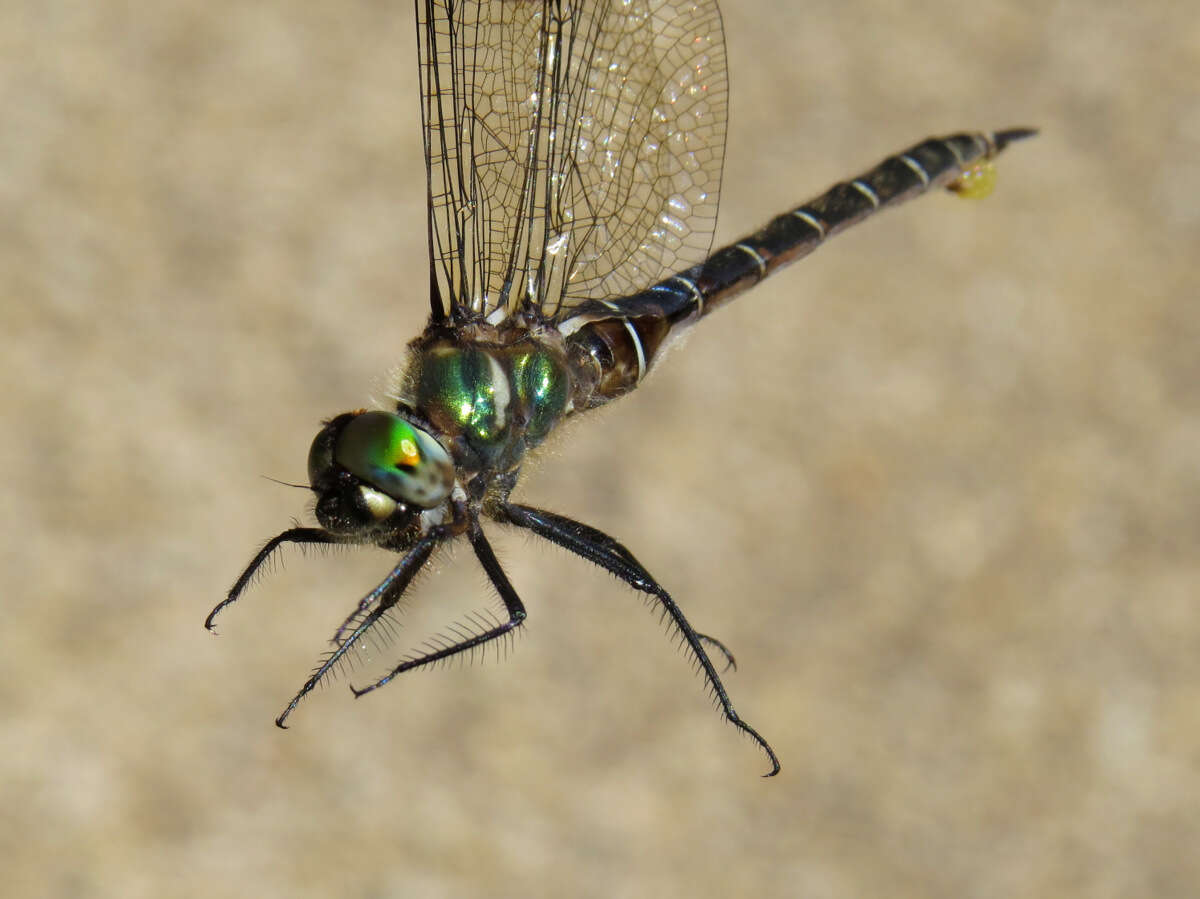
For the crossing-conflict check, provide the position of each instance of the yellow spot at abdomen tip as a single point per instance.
(976, 182)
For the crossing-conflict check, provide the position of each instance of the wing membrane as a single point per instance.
(573, 147)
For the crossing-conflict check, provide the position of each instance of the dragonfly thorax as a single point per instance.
(489, 403)
(470, 411)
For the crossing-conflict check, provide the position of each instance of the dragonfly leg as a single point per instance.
(512, 603)
(601, 549)
(389, 591)
(291, 535)
(361, 609)
(714, 643)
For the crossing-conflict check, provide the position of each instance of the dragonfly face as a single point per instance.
(374, 472)
(574, 151)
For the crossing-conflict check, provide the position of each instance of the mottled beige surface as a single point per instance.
(945, 507)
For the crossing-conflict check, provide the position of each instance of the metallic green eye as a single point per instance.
(395, 458)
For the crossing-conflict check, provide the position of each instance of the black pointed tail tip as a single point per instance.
(1010, 135)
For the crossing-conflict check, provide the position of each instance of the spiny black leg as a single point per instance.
(512, 603)
(363, 604)
(292, 535)
(730, 661)
(390, 590)
(603, 550)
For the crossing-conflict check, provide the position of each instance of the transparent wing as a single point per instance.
(573, 147)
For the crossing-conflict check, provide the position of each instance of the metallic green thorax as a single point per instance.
(493, 402)
(542, 387)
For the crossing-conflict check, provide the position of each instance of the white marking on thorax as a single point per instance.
(501, 391)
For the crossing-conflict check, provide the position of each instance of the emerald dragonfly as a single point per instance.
(573, 159)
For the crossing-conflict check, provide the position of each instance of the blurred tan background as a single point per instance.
(955, 549)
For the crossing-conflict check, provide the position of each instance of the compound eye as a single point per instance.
(396, 459)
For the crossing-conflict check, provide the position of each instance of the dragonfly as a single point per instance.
(573, 160)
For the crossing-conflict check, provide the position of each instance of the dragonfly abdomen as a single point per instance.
(614, 343)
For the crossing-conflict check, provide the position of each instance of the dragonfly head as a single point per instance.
(375, 470)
